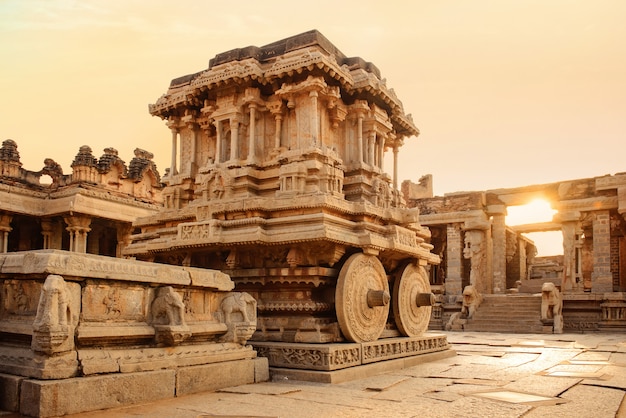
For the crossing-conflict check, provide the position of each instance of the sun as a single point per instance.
(538, 210)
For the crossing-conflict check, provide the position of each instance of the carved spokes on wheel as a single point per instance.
(362, 298)
(412, 300)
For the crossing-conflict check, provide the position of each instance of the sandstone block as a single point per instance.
(9, 395)
(214, 376)
(71, 396)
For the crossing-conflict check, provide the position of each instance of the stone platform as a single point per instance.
(339, 362)
(80, 332)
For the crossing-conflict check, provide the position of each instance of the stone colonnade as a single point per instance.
(480, 249)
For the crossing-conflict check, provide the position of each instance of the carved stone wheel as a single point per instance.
(412, 300)
(362, 298)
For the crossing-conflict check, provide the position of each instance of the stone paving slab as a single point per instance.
(448, 387)
(542, 385)
(585, 401)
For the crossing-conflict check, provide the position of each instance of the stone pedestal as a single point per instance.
(333, 363)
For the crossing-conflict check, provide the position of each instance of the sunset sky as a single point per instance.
(505, 93)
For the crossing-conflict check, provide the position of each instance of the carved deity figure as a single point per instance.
(552, 306)
(471, 301)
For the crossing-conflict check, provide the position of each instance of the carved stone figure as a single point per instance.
(168, 317)
(53, 328)
(474, 250)
(552, 306)
(238, 302)
(169, 305)
(471, 301)
(239, 314)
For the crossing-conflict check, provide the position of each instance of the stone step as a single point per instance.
(516, 314)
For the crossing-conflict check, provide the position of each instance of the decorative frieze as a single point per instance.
(327, 357)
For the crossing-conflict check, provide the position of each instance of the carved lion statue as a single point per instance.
(551, 301)
(471, 301)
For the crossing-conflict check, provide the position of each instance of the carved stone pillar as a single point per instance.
(570, 225)
(173, 168)
(234, 138)
(123, 238)
(601, 278)
(218, 141)
(78, 227)
(5, 228)
(395, 166)
(279, 127)
(359, 137)
(252, 132)
(194, 128)
(314, 118)
(454, 260)
(381, 154)
(498, 232)
(370, 147)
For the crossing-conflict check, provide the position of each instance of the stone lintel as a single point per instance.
(75, 266)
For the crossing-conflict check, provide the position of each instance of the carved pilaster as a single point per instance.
(498, 231)
(454, 263)
(601, 277)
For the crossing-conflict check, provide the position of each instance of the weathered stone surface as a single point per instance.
(10, 393)
(70, 396)
(592, 402)
(210, 377)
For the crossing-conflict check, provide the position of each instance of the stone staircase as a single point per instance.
(508, 313)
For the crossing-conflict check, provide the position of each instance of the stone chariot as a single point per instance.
(277, 179)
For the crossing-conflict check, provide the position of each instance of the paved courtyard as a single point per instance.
(492, 375)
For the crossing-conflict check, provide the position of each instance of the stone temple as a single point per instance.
(275, 244)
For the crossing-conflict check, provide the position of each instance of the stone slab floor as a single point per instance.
(493, 375)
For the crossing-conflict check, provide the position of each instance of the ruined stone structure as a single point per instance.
(125, 330)
(88, 211)
(477, 248)
(73, 322)
(277, 178)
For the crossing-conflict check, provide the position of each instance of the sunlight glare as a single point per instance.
(538, 210)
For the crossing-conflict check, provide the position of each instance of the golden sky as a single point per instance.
(505, 93)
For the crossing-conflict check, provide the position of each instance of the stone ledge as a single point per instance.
(357, 372)
(337, 356)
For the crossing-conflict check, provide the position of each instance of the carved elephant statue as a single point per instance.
(471, 301)
(169, 305)
(551, 301)
(238, 302)
(57, 316)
